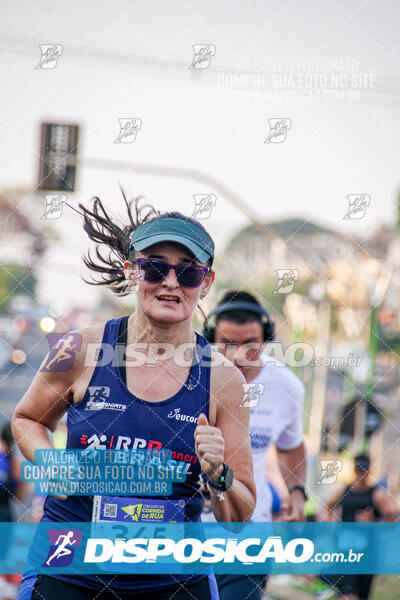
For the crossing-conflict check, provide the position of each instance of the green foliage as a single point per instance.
(14, 280)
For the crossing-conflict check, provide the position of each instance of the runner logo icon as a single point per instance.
(204, 204)
(50, 53)
(128, 129)
(251, 394)
(278, 129)
(60, 553)
(358, 204)
(176, 414)
(203, 54)
(286, 280)
(98, 399)
(133, 510)
(329, 471)
(62, 351)
(54, 206)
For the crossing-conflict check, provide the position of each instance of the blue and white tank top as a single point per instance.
(128, 422)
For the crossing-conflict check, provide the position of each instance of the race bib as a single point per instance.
(150, 515)
(137, 510)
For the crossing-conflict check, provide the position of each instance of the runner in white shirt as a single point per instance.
(276, 410)
(277, 419)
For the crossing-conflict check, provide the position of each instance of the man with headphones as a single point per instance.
(275, 396)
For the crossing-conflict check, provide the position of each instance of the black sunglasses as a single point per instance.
(188, 275)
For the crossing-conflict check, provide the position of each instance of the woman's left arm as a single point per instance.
(225, 438)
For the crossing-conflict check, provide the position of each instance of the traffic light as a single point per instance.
(58, 157)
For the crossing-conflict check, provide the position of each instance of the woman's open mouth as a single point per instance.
(169, 299)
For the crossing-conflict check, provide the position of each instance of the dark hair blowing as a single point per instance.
(104, 230)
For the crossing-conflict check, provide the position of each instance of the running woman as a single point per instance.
(275, 395)
(191, 410)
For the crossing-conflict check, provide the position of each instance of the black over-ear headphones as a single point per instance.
(268, 325)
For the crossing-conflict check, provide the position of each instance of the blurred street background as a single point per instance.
(277, 126)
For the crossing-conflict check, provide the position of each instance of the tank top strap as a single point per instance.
(111, 337)
(204, 355)
(111, 331)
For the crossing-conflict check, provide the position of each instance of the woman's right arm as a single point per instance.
(37, 414)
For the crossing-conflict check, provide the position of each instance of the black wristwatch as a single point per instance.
(225, 481)
(301, 489)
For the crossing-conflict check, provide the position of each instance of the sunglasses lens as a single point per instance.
(154, 271)
(189, 276)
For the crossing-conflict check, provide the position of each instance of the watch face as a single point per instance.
(228, 478)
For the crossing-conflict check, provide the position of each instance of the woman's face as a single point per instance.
(152, 297)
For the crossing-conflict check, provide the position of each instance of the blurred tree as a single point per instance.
(14, 280)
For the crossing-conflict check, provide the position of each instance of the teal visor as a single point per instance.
(172, 229)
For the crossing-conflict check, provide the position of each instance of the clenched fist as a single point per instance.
(209, 445)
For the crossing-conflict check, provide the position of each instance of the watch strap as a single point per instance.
(301, 489)
(220, 485)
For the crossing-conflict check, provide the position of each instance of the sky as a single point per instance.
(273, 60)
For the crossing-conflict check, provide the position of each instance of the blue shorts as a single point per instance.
(250, 587)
